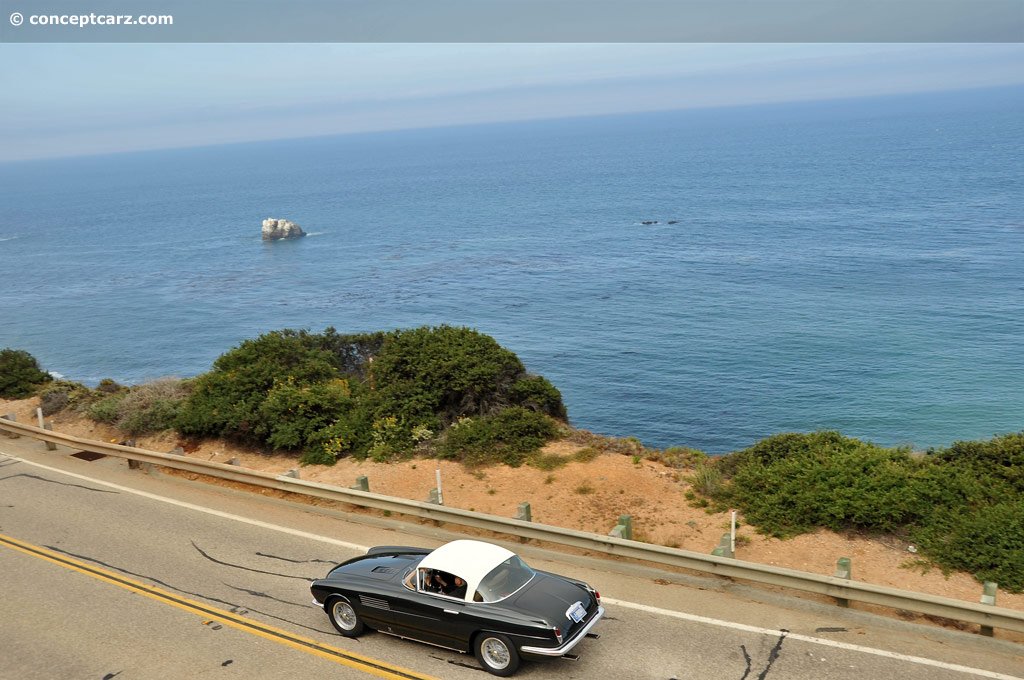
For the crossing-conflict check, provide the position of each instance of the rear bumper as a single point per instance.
(568, 644)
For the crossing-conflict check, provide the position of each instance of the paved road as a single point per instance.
(110, 573)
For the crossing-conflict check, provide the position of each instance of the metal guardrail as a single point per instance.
(933, 605)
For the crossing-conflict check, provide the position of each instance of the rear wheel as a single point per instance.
(344, 617)
(497, 654)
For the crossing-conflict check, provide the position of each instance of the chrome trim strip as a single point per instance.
(412, 639)
(318, 604)
(568, 645)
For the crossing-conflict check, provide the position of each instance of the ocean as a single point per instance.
(855, 265)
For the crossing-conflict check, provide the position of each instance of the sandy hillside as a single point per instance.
(585, 496)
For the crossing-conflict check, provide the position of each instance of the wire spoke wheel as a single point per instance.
(344, 617)
(497, 654)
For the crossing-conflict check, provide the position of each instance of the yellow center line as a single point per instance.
(308, 645)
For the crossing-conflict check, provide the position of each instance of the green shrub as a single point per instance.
(506, 437)
(406, 385)
(108, 386)
(20, 374)
(292, 413)
(987, 542)
(332, 442)
(53, 401)
(790, 483)
(537, 393)
(435, 375)
(59, 395)
(390, 439)
(152, 406)
(547, 461)
(678, 457)
(586, 454)
(107, 410)
(227, 401)
(707, 480)
(963, 505)
(1001, 456)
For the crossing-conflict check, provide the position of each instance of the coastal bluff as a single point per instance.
(274, 230)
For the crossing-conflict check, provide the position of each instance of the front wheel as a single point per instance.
(497, 654)
(344, 616)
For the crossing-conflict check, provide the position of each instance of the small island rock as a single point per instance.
(278, 229)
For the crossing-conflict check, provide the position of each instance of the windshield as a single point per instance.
(503, 580)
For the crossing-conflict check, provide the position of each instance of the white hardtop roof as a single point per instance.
(469, 560)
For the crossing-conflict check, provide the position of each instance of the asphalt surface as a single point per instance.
(115, 573)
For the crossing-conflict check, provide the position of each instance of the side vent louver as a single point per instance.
(374, 602)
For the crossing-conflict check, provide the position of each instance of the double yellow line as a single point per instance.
(310, 646)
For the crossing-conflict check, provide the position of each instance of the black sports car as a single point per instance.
(466, 596)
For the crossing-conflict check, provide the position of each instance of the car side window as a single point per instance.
(409, 580)
(442, 583)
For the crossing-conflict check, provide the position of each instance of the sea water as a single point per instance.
(854, 265)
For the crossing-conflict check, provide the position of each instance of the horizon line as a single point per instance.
(512, 121)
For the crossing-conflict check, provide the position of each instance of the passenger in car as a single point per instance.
(458, 588)
(449, 584)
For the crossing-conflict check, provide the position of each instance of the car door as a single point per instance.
(432, 617)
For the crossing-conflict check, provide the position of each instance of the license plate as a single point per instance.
(577, 612)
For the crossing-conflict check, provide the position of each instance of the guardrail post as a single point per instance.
(50, 446)
(724, 548)
(10, 417)
(627, 521)
(843, 569)
(140, 465)
(624, 529)
(523, 513)
(234, 461)
(362, 483)
(434, 498)
(989, 597)
(293, 473)
(177, 452)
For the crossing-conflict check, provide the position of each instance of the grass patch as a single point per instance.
(547, 461)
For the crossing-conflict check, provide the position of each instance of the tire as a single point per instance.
(496, 654)
(344, 617)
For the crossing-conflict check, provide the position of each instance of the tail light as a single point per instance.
(558, 634)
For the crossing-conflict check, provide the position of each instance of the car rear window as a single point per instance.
(503, 580)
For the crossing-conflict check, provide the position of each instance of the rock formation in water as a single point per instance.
(278, 229)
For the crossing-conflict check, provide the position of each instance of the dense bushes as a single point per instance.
(227, 400)
(964, 506)
(436, 375)
(20, 374)
(65, 394)
(379, 394)
(507, 437)
(150, 407)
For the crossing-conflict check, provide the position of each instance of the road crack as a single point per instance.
(51, 481)
(232, 606)
(288, 559)
(244, 568)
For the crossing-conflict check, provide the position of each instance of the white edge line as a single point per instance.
(199, 508)
(607, 600)
(807, 638)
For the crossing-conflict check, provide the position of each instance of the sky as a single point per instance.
(79, 99)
